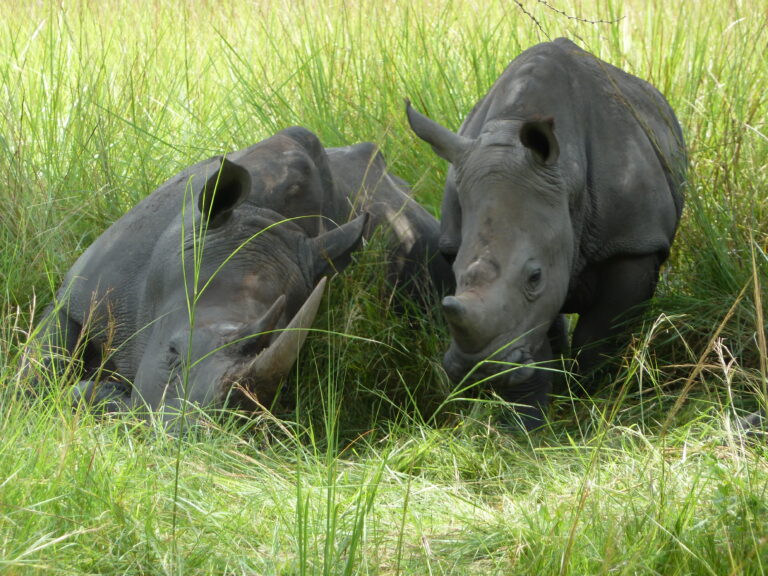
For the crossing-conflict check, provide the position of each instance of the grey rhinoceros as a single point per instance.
(563, 196)
(125, 306)
(193, 291)
(416, 266)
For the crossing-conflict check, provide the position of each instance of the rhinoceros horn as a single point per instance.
(265, 371)
(445, 143)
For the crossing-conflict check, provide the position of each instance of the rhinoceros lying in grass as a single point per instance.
(193, 291)
(416, 265)
(204, 285)
(563, 196)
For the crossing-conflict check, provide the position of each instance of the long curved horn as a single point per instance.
(276, 360)
(445, 143)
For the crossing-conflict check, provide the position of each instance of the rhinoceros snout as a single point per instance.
(508, 366)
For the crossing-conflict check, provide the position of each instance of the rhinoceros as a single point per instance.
(563, 195)
(416, 266)
(126, 298)
(193, 291)
(295, 176)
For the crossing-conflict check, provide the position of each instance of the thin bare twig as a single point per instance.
(577, 18)
(561, 13)
(531, 16)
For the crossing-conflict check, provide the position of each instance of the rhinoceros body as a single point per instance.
(214, 279)
(563, 196)
(193, 291)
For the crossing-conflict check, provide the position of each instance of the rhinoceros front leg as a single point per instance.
(622, 285)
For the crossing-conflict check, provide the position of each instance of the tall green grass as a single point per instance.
(370, 464)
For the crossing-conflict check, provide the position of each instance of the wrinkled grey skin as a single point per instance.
(295, 176)
(563, 196)
(128, 296)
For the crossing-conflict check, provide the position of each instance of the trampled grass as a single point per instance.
(374, 466)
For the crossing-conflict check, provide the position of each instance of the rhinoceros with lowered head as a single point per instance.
(193, 294)
(207, 288)
(563, 196)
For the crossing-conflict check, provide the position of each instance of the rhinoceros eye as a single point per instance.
(174, 359)
(534, 279)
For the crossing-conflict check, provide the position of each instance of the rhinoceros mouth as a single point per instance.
(510, 365)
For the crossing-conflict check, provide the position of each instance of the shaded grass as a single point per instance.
(359, 474)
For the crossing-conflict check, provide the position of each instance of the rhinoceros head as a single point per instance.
(506, 225)
(290, 175)
(234, 289)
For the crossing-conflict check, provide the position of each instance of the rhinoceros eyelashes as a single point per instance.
(534, 279)
(539, 137)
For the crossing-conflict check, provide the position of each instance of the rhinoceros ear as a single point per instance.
(222, 192)
(445, 143)
(539, 137)
(332, 251)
